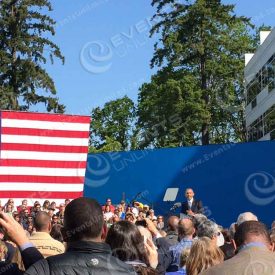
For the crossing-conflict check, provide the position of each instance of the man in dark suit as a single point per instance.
(191, 206)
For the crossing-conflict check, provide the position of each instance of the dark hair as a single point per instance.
(172, 223)
(250, 228)
(83, 219)
(226, 235)
(141, 223)
(56, 232)
(126, 242)
(42, 221)
(46, 202)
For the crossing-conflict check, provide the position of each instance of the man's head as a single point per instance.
(83, 220)
(9, 208)
(108, 201)
(10, 201)
(207, 229)
(151, 212)
(186, 229)
(198, 219)
(211, 230)
(26, 213)
(172, 223)
(37, 207)
(62, 207)
(55, 218)
(189, 193)
(51, 212)
(42, 222)
(67, 201)
(30, 218)
(246, 216)
(53, 205)
(252, 231)
(119, 208)
(160, 219)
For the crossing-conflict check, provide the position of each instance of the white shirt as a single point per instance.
(108, 215)
(135, 211)
(190, 202)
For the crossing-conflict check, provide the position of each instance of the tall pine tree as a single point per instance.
(200, 54)
(23, 44)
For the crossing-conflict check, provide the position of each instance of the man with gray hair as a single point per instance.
(246, 216)
(209, 229)
(198, 219)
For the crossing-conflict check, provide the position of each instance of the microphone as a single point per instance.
(175, 206)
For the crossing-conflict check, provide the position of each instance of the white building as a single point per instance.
(260, 90)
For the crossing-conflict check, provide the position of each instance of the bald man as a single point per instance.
(191, 206)
(172, 230)
(42, 240)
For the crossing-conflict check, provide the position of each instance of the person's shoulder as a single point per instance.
(10, 269)
(174, 247)
(59, 245)
(214, 270)
(78, 259)
(197, 201)
(229, 266)
(39, 268)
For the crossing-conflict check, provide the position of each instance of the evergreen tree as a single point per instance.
(23, 43)
(200, 81)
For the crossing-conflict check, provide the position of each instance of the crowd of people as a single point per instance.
(83, 237)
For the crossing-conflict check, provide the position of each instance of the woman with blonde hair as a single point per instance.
(203, 255)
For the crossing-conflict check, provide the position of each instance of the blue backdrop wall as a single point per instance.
(228, 178)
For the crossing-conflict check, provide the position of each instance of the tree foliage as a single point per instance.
(23, 44)
(111, 126)
(200, 54)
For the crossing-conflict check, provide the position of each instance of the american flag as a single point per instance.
(42, 155)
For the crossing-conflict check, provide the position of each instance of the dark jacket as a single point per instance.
(164, 255)
(141, 268)
(81, 258)
(29, 256)
(196, 207)
(172, 238)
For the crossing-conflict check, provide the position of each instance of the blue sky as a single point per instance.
(107, 49)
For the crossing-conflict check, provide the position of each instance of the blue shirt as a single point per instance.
(177, 249)
(180, 272)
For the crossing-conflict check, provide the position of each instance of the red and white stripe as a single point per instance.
(43, 156)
